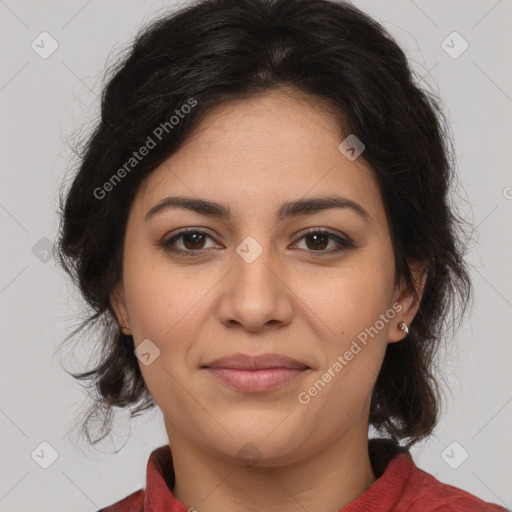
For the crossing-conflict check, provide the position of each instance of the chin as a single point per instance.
(260, 444)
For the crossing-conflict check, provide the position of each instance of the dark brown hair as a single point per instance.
(214, 51)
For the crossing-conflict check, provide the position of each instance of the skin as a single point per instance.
(253, 155)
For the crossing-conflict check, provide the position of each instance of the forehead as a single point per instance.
(271, 147)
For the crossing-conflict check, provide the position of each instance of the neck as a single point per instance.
(326, 481)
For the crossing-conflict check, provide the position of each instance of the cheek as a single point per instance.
(162, 310)
(349, 298)
(167, 305)
(354, 306)
(339, 392)
(158, 295)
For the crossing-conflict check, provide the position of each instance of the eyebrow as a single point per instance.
(287, 210)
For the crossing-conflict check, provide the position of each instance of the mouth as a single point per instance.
(252, 374)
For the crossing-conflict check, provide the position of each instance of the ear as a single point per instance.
(407, 301)
(118, 303)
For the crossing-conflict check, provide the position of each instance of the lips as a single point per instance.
(260, 362)
(252, 374)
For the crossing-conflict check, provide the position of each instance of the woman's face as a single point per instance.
(252, 281)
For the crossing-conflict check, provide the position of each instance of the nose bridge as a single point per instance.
(256, 295)
(253, 263)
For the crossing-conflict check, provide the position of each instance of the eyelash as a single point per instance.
(343, 244)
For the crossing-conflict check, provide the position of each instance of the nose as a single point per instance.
(255, 294)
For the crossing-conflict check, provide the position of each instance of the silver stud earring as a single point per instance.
(403, 326)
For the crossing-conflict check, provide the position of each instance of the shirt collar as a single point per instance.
(391, 464)
(159, 482)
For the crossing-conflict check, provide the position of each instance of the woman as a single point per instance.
(261, 221)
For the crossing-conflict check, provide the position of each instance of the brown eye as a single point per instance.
(191, 241)
(318, 241)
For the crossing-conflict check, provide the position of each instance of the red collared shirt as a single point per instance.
(400, 487)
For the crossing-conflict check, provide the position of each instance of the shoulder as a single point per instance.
(132, 503)
(428, 493)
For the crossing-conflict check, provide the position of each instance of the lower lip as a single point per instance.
(255, 380)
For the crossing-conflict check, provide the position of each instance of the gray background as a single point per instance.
(44, 102)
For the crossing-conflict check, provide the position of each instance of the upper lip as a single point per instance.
(258, 362)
